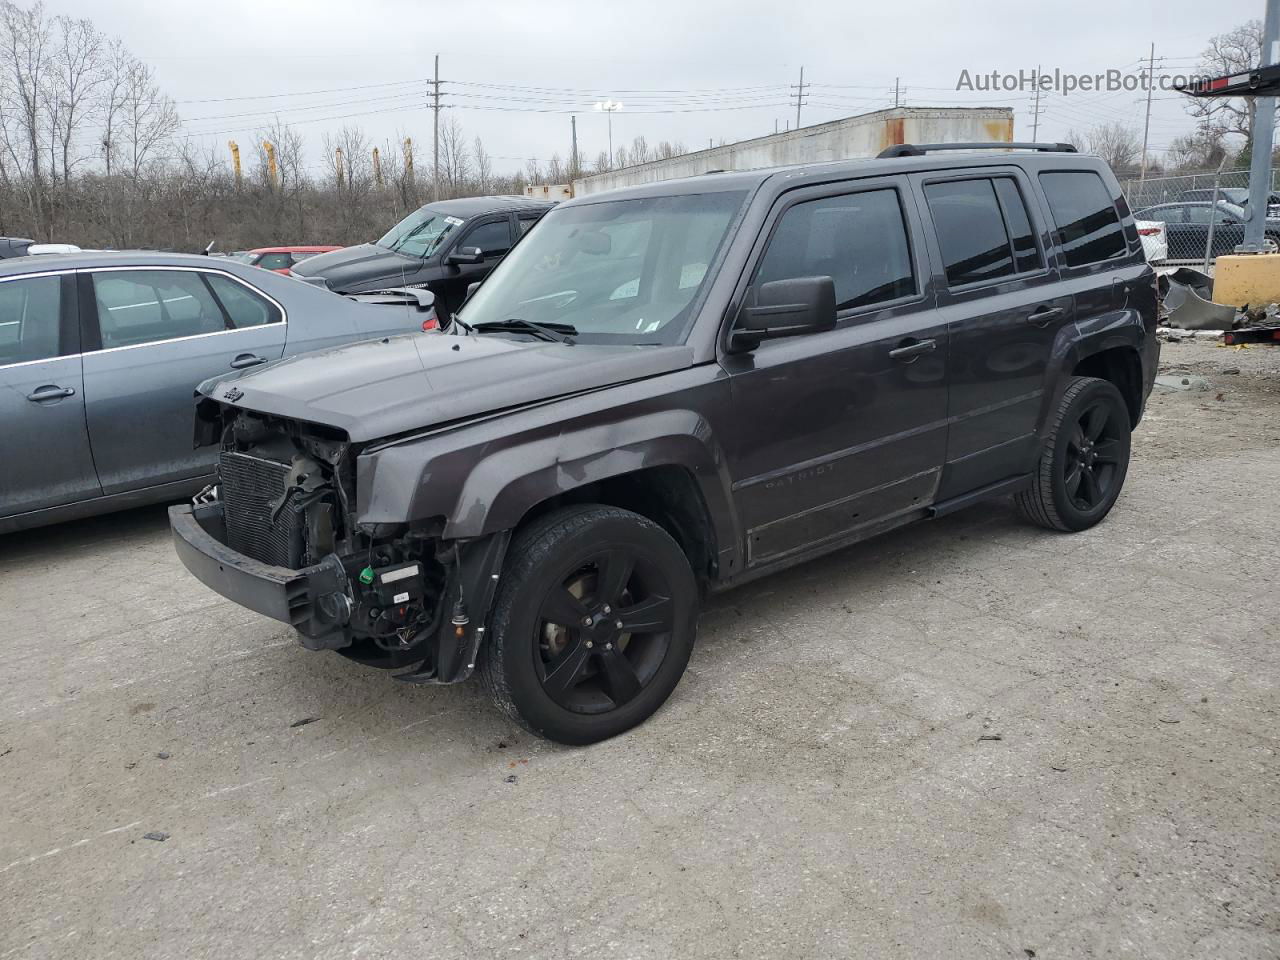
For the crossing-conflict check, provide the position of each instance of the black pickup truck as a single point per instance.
(677, 388)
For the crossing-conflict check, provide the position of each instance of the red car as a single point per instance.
(279, 259)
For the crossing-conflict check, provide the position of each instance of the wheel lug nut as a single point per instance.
(589, 644)
(606, 609)
(586, 621)
(618, 624)
(608, 646)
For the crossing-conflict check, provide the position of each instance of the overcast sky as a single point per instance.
(693, 71)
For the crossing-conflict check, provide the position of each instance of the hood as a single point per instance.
(381, 388)
(359, 266)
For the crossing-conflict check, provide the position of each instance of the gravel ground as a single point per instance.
(969, 739)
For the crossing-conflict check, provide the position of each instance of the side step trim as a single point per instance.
(997, 489)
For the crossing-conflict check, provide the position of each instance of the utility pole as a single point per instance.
(897, 91)
(1146, 127)
(1035, 110)
(799, 95)
(435, 121)
(573, 153)
(1261, 139)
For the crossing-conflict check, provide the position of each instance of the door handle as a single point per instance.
(912, 348)
(1044, 315)
(247, 360)
(50, 392)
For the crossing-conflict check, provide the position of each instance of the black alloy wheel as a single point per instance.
(1084, 461)
(593, 624)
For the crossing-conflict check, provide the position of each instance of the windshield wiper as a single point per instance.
(555, 332)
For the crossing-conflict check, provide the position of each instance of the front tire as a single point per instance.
(1085, 459)
(593, 624)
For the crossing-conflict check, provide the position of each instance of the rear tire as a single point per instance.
(1085, 459)
(593, 624)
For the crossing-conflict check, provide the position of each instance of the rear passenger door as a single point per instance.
(44, 441)
(1002, 310)
(836, 432)
(151, 336)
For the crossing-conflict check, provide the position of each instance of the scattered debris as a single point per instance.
(1174, 381)
(1231, 371)
(1028, 951)
(990, 736)
(1221, 396)
(1057, 769)
(511, 779)
(6, 751)
(157, 835)
(1168, 720)
(304, 721)
(162, 755)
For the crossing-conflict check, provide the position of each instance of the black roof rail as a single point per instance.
(920, 149)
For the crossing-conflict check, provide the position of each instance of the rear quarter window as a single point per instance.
(1088, 227)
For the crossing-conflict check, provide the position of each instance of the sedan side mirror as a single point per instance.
(786, 308)
(466, 255)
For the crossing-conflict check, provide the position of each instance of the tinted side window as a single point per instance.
(1026, 255)
(244, 307)
(859, 240)
(275, 261)
(1088, 226)
(143, 306)
(971, 231)
(29, 313)
(493, 239)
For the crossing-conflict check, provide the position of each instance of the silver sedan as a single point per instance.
(100, 355)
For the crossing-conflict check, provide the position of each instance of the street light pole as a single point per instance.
(609, 107)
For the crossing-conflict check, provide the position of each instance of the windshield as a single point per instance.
(420, 233)
(621, 271)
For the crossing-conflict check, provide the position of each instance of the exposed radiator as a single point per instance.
(249, 488)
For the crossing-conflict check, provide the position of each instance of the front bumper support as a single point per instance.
(315, 601)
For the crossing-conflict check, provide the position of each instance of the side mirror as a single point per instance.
(786, 308)
(466, 255)
(472, 288)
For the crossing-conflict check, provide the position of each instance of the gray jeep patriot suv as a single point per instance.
(677, 388)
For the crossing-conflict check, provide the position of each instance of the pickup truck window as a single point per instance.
(620, 271)
(859, 240)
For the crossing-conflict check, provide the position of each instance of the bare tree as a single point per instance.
(1202, 149)
(74, 78)
(1118, 144)
(483, 167)
(25, 52)
(148, 119)
(1235, 51)
(455, 158)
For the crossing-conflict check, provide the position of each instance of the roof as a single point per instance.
(474, 206)
(715, 181)
(131, 258)
(296, 249)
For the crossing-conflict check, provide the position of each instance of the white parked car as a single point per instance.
(1155, 242)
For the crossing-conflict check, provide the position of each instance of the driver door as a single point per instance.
(492, 235)
(836, 432)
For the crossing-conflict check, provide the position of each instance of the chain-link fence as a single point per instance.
(1195, 231)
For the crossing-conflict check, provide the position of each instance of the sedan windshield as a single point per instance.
(420, 233)
(620, 271)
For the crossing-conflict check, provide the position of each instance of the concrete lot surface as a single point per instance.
(969, 739)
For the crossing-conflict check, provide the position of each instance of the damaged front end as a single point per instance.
(279, 535)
